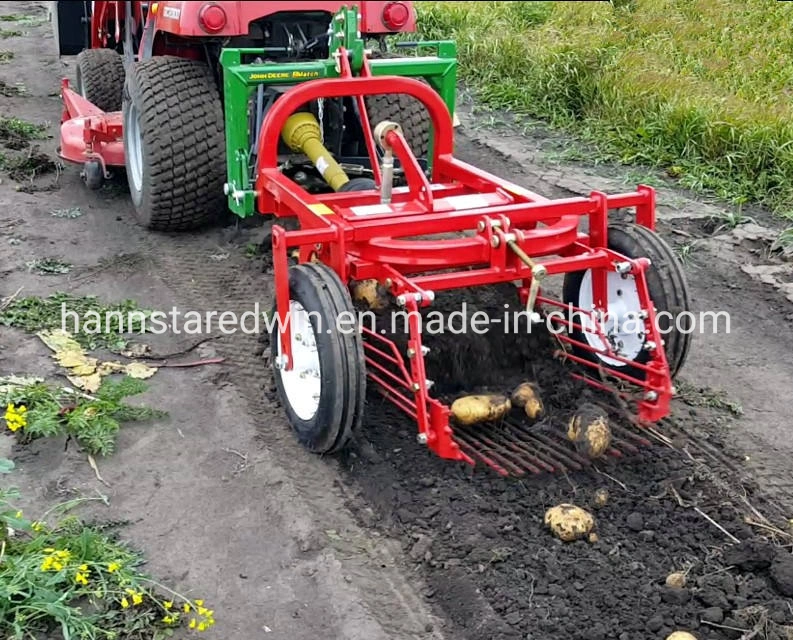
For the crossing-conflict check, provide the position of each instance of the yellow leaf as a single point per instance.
(139, 370)
(106, 368)
(89, 384)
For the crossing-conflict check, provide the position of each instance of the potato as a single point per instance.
(470, 410)
(568, 522)
(601, 498)
(527, 395)
(681, 635)
(676, 580)
(589, 430)
(370, 293)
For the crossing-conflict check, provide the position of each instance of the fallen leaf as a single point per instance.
(139, 370)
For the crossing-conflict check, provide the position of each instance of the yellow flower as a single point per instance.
(186, 608)
(169, 620)
(15, 417)
(124, 603)
(80, 578)
(137, 599)
(18, 514)
(113, 567)
(37, 526)
(200, 603)
(167, 604)
(202, 626)
(192, 624)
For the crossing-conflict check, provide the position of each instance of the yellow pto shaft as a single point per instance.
(302, 134)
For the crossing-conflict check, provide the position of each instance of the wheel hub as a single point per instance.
(302, 384)
(134, 147)
(620, 326)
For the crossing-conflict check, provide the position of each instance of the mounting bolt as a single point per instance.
(430, 384)
(424, 350)
(430, 295)
(417, 297)
(642, 315)
(421, 438)
(624, 267)
(480, 226)
(280, 362)
(401, 300)
(495, 242)
(652, 396)
(416, 386)
(411, 353)
(226, 189)
(650, 345)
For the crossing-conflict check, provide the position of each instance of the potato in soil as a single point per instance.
(589, 430)
(470, 410)
(569, 522)
(681, 635)
(677, 580)
(527, 396)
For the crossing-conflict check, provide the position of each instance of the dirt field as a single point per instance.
(387, 541)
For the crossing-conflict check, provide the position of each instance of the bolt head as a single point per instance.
(421, 438)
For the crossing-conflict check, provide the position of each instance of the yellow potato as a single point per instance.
(681, 635)
(527, 395)
(569, 522)
(470, 410)
(590, 431)
(676, 580)
(601, 498)
(370, 293)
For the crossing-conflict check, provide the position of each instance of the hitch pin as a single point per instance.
(538, 272)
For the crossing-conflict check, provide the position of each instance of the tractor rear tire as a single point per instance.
(668, 289)
(100, 78)
(403, 109)
(325, 409)
(174, 144)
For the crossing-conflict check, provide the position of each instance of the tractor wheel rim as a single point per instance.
(303, 383)
(621, 325)
(134, 151)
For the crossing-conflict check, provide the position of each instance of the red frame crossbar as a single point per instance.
(361, 237)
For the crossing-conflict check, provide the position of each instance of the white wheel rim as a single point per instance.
(134, 150)
(303, 383)
(621, 326)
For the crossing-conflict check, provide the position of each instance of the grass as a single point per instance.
(700, 88)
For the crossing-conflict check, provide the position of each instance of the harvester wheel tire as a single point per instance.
(403, 109)
(667, 286)
(174, 144)
(324, 393)
(100, 78)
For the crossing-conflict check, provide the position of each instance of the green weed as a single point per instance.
(38, 410)
(74, 581)
(92, 323)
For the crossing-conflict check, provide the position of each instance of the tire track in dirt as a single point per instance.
(371, 563)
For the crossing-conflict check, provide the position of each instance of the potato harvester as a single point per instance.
(303, 111)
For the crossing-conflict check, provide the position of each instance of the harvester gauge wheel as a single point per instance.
(93, 175)
(324, 392)
(668, 290)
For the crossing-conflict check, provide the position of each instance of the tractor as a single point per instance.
(325, 118)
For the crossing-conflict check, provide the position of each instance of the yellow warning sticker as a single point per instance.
(320, 209)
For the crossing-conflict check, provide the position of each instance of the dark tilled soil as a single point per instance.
(496, 571)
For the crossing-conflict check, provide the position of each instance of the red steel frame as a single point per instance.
(88, 133)
(362, 239)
